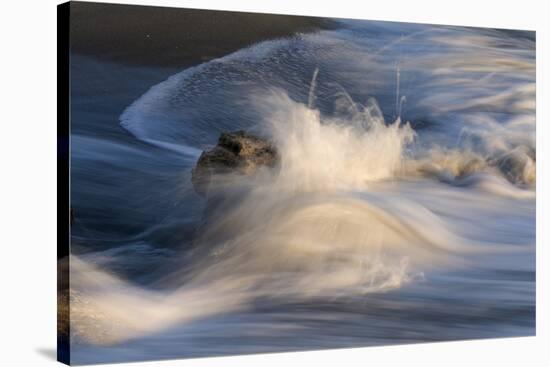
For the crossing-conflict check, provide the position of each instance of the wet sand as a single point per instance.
(162, 36)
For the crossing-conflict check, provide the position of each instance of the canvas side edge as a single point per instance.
(63, 186)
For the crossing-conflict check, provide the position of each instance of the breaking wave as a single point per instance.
(367, 197)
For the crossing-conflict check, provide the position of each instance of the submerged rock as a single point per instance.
(236, 152)
(519, 165)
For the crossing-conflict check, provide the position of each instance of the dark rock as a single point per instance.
(237, 152)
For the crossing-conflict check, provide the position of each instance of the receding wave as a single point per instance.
(390, 159)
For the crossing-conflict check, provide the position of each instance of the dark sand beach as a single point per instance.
(162, 36)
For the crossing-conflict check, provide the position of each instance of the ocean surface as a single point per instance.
(402, 211)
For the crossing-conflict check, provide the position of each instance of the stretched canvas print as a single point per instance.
(236, 183)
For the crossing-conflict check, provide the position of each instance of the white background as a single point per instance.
(28, 182)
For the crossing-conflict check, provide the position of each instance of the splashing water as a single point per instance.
(302, 233)
(360, 204)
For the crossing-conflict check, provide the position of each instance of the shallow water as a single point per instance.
(403, 209)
